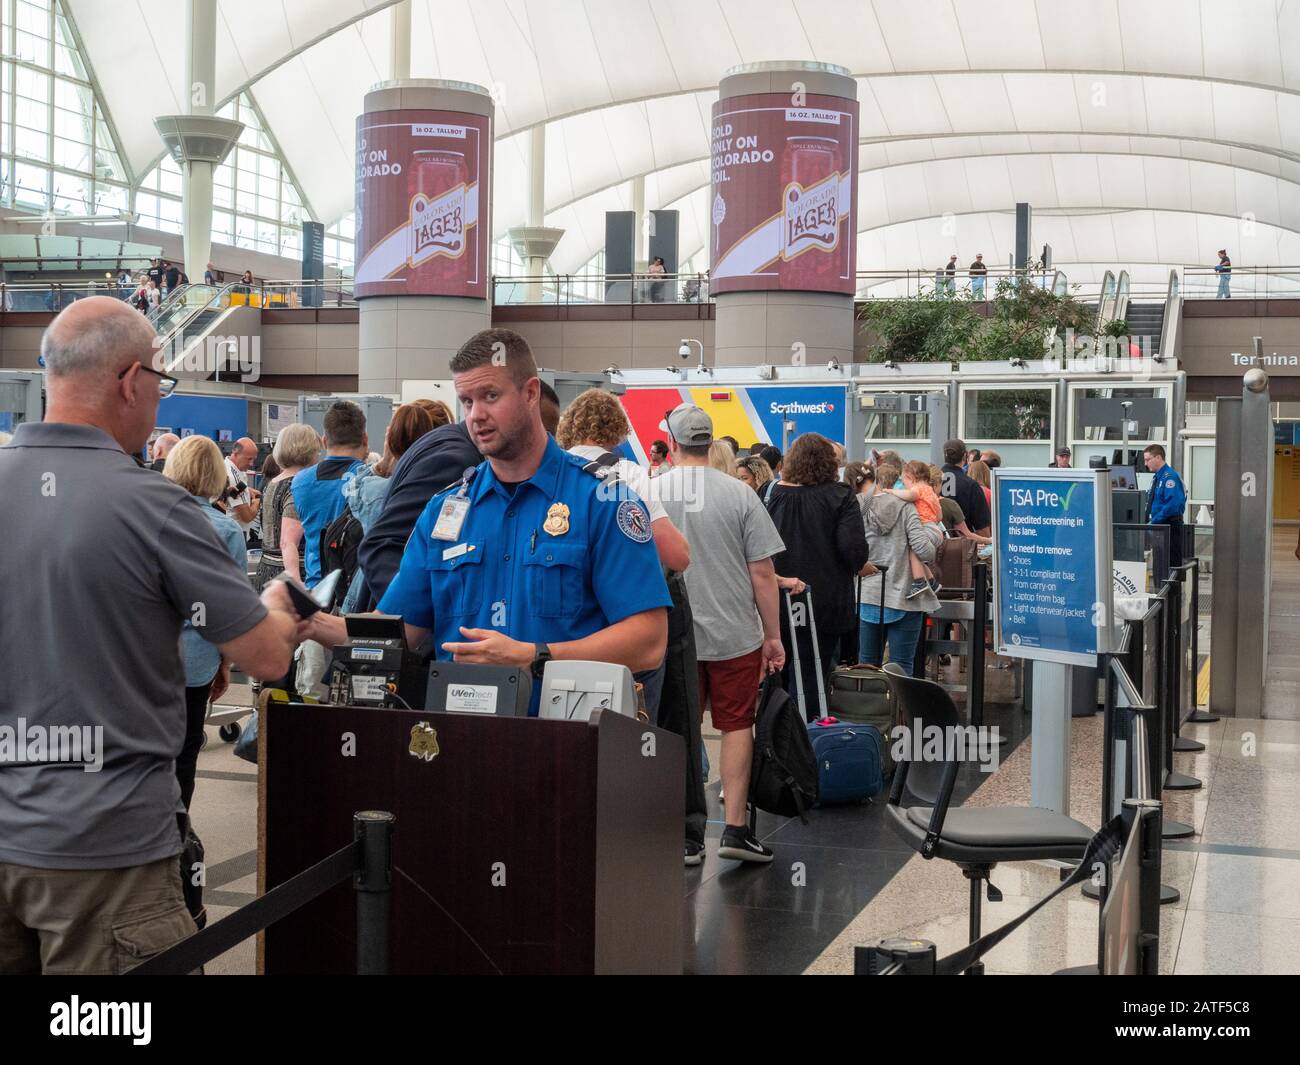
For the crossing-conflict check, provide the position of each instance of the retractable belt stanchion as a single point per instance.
(1171, 673)
(1197, 716)
(1190, 574)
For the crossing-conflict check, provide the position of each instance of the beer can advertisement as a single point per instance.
(422, 204)
(782, 194)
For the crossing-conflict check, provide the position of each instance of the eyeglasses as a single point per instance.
(668, 426)
(166, 385)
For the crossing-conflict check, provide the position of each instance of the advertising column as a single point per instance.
(783, 235)
(1052, 599)
(423, 236)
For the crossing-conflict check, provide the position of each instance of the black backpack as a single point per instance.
(339, 543)
(783, 780)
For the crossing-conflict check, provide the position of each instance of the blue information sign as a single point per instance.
(1052, 581)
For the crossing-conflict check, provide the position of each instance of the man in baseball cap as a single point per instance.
(688, 426)
(1062, 458)
(734, 597)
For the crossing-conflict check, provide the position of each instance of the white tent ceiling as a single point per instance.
(1165, 109)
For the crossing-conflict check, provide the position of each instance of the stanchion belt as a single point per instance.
(1101, 848)
(216, 939)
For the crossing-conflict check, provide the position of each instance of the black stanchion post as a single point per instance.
(1187, 580)
(978, 627)
(1172, 671)
(1197, 716)
(373, 881)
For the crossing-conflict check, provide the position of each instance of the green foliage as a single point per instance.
(1116, 327)
(939, 327)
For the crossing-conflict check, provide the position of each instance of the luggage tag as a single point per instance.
(451, 518)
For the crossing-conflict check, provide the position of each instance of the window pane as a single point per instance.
(221, 226)
(146, 205)
(71, 194)
(31, 48)
(1150, 419)
(31, 185)
(170, 183)
(290, 242)
(32, 85)
(267, 207)
(71, 125)
(31, 144)
(245, 232)
(1009, 414)
(247, 182)
(169, 215)
(223, 175)
(31, 114)
(71, 154)
(110, 199)
(221, 196)
(108, 165)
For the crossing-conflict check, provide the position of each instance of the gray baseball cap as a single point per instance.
(689, 425)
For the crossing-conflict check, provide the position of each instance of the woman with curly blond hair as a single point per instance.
(595, 424)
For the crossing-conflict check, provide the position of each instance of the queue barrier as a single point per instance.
(1128, 934)
(367, 860)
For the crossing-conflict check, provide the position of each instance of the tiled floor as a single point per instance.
(845, 878)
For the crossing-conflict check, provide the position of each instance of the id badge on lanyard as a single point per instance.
(451, 518)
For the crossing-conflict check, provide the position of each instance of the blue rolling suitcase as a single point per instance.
(848, 761)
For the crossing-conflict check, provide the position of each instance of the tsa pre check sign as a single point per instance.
(1052, 574)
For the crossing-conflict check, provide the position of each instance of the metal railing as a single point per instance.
(600, 288)
(1242, 282)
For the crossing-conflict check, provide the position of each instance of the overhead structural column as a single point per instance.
(424, 234)
(783, 206)
(535, 242)
(198, 140)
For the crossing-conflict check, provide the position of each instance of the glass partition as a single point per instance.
(1014, 421)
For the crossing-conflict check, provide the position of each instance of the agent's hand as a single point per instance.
(773, 655)
(491, 648)
(329, 630)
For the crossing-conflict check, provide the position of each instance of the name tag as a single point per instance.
(451, 518)
(457, 551)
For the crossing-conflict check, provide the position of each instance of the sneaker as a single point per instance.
(918, 586)
(740, 844)
(694, 852)
(935, 586)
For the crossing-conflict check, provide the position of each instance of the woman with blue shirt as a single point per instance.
(197, 466)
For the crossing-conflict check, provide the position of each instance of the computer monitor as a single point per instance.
(1123, 478)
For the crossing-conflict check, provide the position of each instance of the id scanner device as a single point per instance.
(573, 691)
(374, 667)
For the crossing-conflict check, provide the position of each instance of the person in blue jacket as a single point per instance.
(525, 558)
(1167, 500)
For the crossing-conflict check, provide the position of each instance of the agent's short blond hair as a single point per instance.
(197, 465)
(297, 445)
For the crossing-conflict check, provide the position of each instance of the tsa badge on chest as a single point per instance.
(424, 742)
(557, 520)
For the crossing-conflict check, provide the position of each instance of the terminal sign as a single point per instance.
(1053, 576)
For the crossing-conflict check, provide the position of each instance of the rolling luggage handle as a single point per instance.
(796, 660)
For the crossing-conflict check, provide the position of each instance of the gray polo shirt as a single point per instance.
(103, 560)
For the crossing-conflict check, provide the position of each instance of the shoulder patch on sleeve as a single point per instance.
(634, 521)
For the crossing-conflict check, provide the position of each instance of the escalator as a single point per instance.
(192, 316)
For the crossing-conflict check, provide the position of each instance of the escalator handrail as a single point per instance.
(221, 297)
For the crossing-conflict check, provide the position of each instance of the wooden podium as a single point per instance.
(521, 845)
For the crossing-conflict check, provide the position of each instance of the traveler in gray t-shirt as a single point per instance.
(733, 591)
(104, 560)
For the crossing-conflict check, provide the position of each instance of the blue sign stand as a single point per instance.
(1052, 599)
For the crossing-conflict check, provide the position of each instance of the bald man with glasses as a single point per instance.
(104, 560)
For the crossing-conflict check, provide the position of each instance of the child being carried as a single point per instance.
(918, 491)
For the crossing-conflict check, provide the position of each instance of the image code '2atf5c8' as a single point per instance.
(423, 190)
(783, 193)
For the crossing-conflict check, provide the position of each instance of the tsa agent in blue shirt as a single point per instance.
(525, 558)
(1166, 501)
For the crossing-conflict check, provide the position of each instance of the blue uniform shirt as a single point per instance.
(596, 566)
(1168, 497)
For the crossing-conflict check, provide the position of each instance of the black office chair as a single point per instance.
(975, 838)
